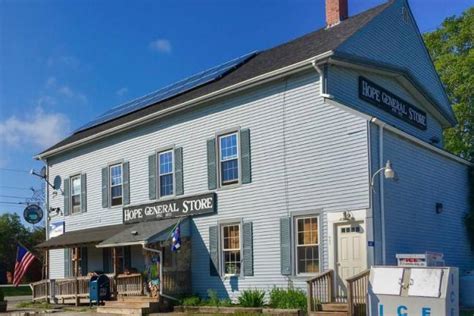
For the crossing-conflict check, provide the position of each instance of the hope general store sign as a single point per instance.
(186, 206)
(389, 102)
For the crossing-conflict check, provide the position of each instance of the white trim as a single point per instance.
(399, 132)
(110, 166)
(382, 200)
(158, 153)
(78, 176)
(194, 102)
(420, 142)
(219, 161)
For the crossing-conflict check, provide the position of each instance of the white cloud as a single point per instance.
(121, 92)
(62, 90)
(161, 45)
(65, 90)
(39, 129)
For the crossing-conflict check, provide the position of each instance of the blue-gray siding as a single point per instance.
(389, 39)
(425, 178)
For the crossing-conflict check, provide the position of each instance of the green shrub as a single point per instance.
(226, 302)
(252, 298)
(288, 298)
(1, 295)
(213, 299)
(191, 301)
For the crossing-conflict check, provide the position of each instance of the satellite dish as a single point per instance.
(57, 183)
(43, 172)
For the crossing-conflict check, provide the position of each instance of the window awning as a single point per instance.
(81, 237)
(142, 233)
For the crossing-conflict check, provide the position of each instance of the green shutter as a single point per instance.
(84, 260)
(126, 183)
(178, 171)
(211, 164)
(83, 193)
(285, 245)
(105, 187)
(214, 250)
(152, 177)
(127, 257)
(106, 260)
(67, 197)
(248, 249)
(67, 262)
(245, 155)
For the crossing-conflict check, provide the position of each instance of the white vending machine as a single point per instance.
(413, 291)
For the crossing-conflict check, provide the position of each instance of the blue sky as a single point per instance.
(62, 63)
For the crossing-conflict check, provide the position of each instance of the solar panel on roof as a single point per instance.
(168, 91)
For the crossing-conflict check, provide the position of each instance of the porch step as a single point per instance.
(329, 313)
(123, 304)
(335, 307)
(122, 311)
(137, 299)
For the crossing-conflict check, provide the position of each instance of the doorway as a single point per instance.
(351, 255)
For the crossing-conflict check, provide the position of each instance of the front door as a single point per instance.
(351, 256)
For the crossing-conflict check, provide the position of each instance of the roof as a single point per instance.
(141, 233)
(297, 50)
(80, 237)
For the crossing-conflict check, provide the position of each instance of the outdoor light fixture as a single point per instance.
(388, 172)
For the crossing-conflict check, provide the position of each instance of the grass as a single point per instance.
(36, 305)
(467, 313)
(16, 291)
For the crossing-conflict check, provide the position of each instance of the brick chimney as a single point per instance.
(336, 11)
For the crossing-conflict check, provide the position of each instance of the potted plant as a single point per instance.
(3, 303)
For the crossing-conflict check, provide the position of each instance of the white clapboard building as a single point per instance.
(320, 156)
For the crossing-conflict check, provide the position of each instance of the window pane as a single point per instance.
(166, 185)
(307, 231)
(230, 171)
(166, 162)
(228, 147)
(308, 259)
(76, 185)
(116, 175)
(116, 191)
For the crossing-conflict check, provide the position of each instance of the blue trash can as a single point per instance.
(99, 289)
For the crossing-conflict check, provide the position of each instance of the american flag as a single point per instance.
(24, 258)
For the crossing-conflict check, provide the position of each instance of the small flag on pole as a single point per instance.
(24, 258)
(176, 239)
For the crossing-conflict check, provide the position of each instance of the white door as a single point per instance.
(351, 254)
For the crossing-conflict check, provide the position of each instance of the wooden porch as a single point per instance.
(75, 289)
(322, 299)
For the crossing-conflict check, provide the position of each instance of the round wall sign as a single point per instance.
(33, 214)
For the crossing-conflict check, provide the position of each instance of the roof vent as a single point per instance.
(336, 11)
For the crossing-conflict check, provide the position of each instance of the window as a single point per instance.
(307, 245)
(231, 249)
(166, 173)
(75, 194)
(116, 184)
(228, 159)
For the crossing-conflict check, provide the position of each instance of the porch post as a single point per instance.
(114, 260)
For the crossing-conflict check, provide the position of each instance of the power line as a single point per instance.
(15, 188)
(14, 170)
(14, 197)
(13, 203)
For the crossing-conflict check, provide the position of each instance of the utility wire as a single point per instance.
(13, 203)
(14, 170)
(15, 188)
(14, 197)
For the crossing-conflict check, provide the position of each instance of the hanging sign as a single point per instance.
(56, 229)
(33, 214)
(389, 102)
(186, 206)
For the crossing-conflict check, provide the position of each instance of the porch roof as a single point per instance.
(81, 237)
(141, 233)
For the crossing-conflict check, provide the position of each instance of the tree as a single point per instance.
(11, 232)
(450, 47)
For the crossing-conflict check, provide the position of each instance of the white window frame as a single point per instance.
(296, 245)
(71, 187)
(158, 154)
(220, 161)
(110, 183)
(222, 250)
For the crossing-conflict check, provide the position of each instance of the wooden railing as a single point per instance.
(129, 284)
(320, 290)
(40, 290)
(357, 289)
(72, 287)
(176, 282)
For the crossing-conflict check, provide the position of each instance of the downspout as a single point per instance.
(322, 78)
(381, 185)
(161, 271)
